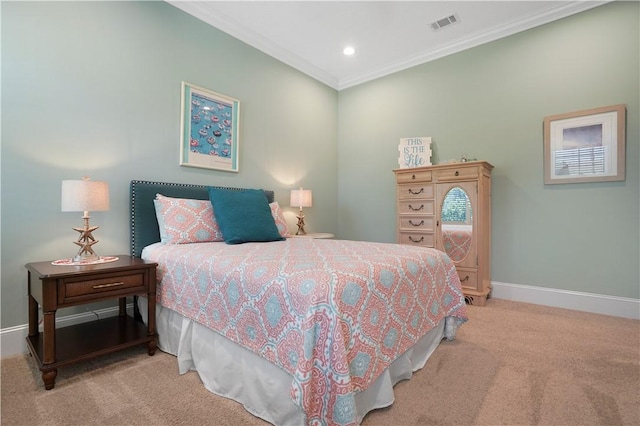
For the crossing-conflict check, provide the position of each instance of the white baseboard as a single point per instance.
(12, 339)
(588, 302)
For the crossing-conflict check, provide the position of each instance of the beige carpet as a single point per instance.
(512, 364)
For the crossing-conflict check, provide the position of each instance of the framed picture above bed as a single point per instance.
(585, 146)
(209, 129)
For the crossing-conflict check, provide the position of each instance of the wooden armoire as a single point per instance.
(448, 207)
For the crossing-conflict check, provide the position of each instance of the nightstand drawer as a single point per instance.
(70, 291)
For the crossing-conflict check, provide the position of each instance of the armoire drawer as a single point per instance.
(415, 190)
(423, 239)
(468, 279)
(414, 176)
(417, 223)
(420, 207)
(456, 173)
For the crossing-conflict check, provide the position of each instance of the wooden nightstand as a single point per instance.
(53, 287)
(315, 235)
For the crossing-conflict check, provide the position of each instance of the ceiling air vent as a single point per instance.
(444, 22)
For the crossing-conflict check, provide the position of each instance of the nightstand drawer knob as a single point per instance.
(108, 285)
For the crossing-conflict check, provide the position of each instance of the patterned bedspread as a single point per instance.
(332, 313)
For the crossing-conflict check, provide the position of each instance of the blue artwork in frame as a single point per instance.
(209, 129)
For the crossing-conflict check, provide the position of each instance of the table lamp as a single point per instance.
(301, 198)
(84, 196)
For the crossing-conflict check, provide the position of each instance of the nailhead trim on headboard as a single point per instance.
(143, 222)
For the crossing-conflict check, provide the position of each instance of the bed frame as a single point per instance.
(144, 225)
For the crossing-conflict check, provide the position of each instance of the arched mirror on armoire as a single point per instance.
(456, 216)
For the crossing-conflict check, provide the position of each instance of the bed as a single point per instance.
(298, 330)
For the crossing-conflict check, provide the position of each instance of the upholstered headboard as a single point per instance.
(144, 224)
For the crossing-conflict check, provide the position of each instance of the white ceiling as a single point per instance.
(388, 36)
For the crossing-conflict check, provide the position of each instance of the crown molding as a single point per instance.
(230, 26)
(233, 28)
(549, 15)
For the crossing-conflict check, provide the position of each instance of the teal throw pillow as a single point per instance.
(243, 215)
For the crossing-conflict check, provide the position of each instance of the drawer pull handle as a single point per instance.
(457, 173)
(413, 177)
(416, 209)
(108, 285)
(416, 193)
(416, 224)
(465, 279)
(416, 241)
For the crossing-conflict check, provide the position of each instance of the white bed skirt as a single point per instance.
(232, 371)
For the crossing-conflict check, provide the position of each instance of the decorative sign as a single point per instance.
(414, 152)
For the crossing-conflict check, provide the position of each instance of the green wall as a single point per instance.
(489, 103)
(93, 88)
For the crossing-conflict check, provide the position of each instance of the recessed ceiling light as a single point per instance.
(349, 50)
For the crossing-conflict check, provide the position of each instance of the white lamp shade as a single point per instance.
(84, 195)
(301, 198)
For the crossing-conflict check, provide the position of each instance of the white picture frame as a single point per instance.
(585, 146)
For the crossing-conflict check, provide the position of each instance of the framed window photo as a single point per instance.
(208, 129)
(585, 146)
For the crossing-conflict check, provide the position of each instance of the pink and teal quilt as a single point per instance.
(332, 313)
